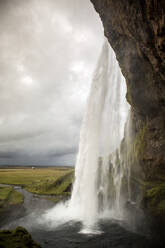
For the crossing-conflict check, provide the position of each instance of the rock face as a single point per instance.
(136, 32)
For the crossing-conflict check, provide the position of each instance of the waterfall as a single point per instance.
(114, 118)
(101, 134)
(99, 170)
(84, 195)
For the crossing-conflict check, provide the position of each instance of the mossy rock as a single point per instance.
(18, 238)
(154, 198)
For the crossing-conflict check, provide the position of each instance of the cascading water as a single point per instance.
(114, 118)
(98, 157)
(102, 132)
(85, 195)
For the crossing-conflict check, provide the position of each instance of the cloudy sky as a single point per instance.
(48, 52)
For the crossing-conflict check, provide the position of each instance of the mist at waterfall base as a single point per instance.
(101, 134)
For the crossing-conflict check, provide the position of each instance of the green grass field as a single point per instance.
(49, 181)
(52, 186)
(29, 176)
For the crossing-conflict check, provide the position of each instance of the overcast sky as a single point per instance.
(48, 52)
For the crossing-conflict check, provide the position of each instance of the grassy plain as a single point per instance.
(49, 181)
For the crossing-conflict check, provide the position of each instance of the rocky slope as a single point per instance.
(136, 31)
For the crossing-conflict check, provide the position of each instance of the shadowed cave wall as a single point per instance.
(136, 32)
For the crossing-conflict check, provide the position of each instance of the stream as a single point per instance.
(115, 233)
(32, 204)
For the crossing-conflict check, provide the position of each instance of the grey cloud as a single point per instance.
(6, 154)
(59, 153)
(48, 52)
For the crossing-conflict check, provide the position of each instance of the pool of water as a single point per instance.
(113, 233)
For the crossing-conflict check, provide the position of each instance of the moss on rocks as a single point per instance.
(18, 238)
(139, 143)
(154, 198)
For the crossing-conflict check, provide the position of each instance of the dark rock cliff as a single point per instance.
(136, 32)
